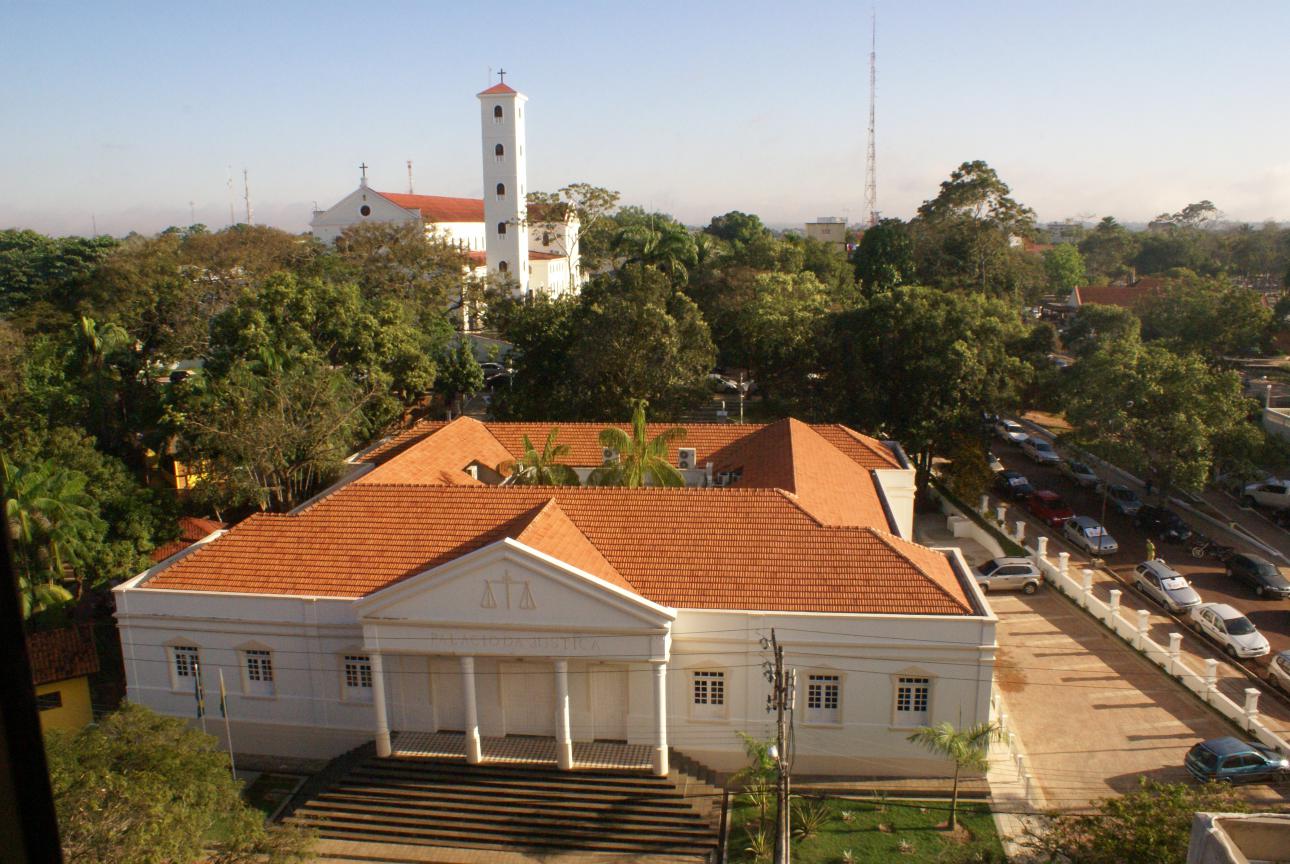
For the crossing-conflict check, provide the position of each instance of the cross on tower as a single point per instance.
(363, 167)
(501, 73)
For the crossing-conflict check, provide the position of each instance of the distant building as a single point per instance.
(829, 229)
(61, 662)
(191, 530)
(1126, 296)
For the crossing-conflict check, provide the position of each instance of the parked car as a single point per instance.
(1040, 451)
(491, 368)
(1232, 760)
(1230, 629)
(1123, 498)
(1086, 533)
(1260, 573)
(1050, 507)
(1165, 585)
(993, 461)
(1080, 473)
(1014, 485)
(1279, 671)
(1009, 574)
(1163, 523)
(1010, 431)
(1274, 494)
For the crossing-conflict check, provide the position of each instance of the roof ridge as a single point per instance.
(891, 540)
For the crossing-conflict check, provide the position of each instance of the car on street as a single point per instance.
(1232, 760)
(1123, 498)
(1165, 585)
(1260, 574)
(491, 368)
(1163, 523)
(1014, 485)
(1009, 574)
(1040, 451)
(1279, 671)
(1230, 629)
(1010, 431)
(1088, 534)
(1079, 473)
(1049, 507)
(1273, 494)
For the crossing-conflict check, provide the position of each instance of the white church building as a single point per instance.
(427, 602)
(535, 246)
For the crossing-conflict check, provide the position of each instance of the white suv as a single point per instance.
(1274, 494)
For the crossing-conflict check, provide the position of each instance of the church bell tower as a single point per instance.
(505, 182)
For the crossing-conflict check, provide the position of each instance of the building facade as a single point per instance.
(429, 594)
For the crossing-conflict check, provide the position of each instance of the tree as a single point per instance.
(140, 788)
(459, 374)
(1207, 315)
(967, 748)
(594, 206)
(1064, 268)
(658, 241)
(638, 458)
(1154, 412)
(884, 257)
(1150, 825)
(396, 261)
(784, 328)
(52, 523)
(1095, 326)
(543, 468)
(1107, 249)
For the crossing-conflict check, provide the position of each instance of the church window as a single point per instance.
(501, 190)
(501, 229)
(497, 113)
(499, 151)
(365, 210)
(502, 267)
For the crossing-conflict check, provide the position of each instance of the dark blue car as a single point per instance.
(1235, 761)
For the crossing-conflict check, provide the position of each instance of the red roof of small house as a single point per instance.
(543, 256)
(58, 655)
(438, 208)
(498, 89)
(191, 529)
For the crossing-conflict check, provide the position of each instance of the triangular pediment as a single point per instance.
(511, 584)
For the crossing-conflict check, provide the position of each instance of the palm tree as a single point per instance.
(967, 747)
(661, 243)
(51, 520)
(541, 469)
(638, 458)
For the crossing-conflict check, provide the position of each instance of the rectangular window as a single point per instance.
(823, 697)
(49, 701)
(257, 666)
(358, 676)
(911, 701)
(185, 667)
(709, 693)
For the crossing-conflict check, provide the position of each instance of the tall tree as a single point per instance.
(541, 467)
(966, 748)
(660, 242)
(785, 327)
(1208, 315)
(884, 257)
(639, 460)
(1108, 249)
(1064, 268)
(1095, 326)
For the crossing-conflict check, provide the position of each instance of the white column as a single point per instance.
(1063, 563)
(1113, 610)
(1144, 626)
(660, 719)
(1175, 651)
(1021, 531)
(378, 704)
(563, 737)
(1041, 548)
(474, 752)
(1211, 679)
(1251, 707)
(1086, 588)
(1001, 513)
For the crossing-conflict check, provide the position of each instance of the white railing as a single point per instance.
(1133, 628)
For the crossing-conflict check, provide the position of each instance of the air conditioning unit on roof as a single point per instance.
(687, 458)
(608, 455)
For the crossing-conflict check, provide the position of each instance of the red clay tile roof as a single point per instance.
(437, 208)
(477, 256)
(498, 88)
(543, 256)
(550, 531)
(1124, 296)
(191, 529)
(441, 458)
(692, 548)
(57, 655)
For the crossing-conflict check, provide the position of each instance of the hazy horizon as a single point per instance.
(122, 116)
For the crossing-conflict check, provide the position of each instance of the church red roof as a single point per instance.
(438, 208)
(498, 89)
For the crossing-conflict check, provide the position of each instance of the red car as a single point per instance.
(1050, 507)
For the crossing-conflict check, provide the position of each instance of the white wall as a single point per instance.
(510, 170)
(328, 224)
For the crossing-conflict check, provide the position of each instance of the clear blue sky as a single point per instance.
(129, 110)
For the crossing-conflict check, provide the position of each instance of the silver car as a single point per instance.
(1009, 574)
(1230, 629)
(1088, 534)
(1279, 671)
(1010, 431)
(1040, 451)
(1165, 585)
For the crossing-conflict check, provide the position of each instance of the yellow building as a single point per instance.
(61, 662)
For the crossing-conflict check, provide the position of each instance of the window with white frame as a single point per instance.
(823, 698)
(912, 697)
(358, 678)
(708, 689)
(257, 672)
(183, 667)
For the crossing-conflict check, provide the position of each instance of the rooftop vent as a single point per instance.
(687, 458)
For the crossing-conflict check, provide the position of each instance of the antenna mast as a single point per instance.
(246, 193)
(871, 156)
(409, 176)
(232, 219)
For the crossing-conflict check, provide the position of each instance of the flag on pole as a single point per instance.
(223, 705)
(198, 693)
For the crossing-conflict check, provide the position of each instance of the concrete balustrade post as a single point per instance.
(1211, 679)
(1041, 548)
(1144, 626)
(1086, 587)
(1251, 707)
(985, 505)
(1113, 610)
(1064, 563)
(1020, 531)
(1175, 652)
(1001, 514)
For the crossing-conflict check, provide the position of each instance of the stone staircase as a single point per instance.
(527, 809)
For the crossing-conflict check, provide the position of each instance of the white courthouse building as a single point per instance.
(424, 599)
(536, 246)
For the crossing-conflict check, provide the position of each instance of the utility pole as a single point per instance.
(246, 191)
(409, 176)
(871, 154)
(780, 701)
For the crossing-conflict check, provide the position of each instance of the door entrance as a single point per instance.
(609, 701)
(448, 700)
(528, 698)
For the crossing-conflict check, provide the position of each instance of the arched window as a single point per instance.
(497, 113)
(501, 229)
(502, 267)
(501, 190)
(499, 151)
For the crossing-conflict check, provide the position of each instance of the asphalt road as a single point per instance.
(1271, 617)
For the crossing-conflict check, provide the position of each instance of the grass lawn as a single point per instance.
(902, 822)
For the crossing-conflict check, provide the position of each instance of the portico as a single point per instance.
(495, 644)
